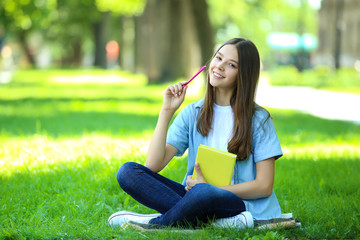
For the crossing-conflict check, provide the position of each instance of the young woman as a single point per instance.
(227, 119)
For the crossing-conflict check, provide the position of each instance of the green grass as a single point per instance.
(62, 143)
(320, 77)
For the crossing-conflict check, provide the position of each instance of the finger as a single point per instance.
(198, 170)
(184, 89)
(189, 178)
(170, 89)
(174, 90)
(177, 90)
(190, 182)
(180, 87)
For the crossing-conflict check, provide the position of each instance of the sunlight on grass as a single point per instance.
(322, 151)
(100, 79)
(38, 152)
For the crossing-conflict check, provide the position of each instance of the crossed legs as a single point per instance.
(177, 206)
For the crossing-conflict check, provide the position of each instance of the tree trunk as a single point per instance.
(101, 37)
(175, 67)
(28, 53)
(77, 52)
(204, 29)
(338, 32)
(301, 60)
(121, 42)
(152, 40)
(166, 41)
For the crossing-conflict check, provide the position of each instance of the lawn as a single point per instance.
(61, 144)
(320, 77)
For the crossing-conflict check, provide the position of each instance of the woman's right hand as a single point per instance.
(174, 96)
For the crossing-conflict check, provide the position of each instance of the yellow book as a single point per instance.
(217, 166)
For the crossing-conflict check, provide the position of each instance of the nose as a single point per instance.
(220, 65)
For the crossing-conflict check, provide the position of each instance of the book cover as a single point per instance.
(216, 165)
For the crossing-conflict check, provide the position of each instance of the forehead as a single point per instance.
(229, 51)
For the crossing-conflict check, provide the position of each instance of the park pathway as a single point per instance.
(320, 103)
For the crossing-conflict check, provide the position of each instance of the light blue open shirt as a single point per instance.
(183, 135)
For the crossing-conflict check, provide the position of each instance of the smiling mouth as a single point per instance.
(217, 75)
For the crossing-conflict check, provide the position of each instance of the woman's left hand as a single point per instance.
(199, 178)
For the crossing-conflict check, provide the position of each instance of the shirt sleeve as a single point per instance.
(178, 134)
(266, 143)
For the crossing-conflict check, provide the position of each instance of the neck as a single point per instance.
(223, 96)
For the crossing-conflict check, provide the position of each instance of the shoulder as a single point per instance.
(193, 108)
(197, 105)
(262, 122)
(189, 114)
(261, 115)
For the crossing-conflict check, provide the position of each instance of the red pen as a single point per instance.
(201, 69)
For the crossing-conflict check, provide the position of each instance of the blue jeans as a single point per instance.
(177, 206)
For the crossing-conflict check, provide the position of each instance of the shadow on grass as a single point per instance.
(42, 101)
(79, 123)
(57, 117)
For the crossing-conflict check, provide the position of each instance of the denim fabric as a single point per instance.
(177, 206)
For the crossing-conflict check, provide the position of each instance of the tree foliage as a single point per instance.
(66, 24)
(121, 7)
(255, 19)
(73, 28)
(23, 15)
(20, 17)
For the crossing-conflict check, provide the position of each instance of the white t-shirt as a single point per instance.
(221, 128)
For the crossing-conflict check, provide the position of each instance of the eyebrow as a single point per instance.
(229, 59)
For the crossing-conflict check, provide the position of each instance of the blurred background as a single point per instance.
(170, 39)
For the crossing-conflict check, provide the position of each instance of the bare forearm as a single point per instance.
(156, 153)
(250, 190)
(159, 154)
(262, 186)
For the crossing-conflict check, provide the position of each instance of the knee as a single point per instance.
(209, 194)
(203, 187)
(205, 192)
(125, 173)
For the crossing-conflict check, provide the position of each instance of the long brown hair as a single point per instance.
(242, 99)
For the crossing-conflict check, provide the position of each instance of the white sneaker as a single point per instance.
(122, 217)
(243, 220)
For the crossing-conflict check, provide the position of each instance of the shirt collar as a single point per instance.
(199, 103)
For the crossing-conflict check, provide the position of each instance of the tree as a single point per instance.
(204, 29)
(80, 21)
(256, 19)
(301, 58)
(167, 39)
(20, 18)
(71, 28)
(338, 31)
(110, 8)
(67, 24)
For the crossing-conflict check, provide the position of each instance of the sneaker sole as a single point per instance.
(122, 213)
(158, 228)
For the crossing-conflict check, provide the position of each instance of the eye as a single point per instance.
(232, 65)
(218, 57)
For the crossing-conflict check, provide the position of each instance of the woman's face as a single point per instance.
(224, 67)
